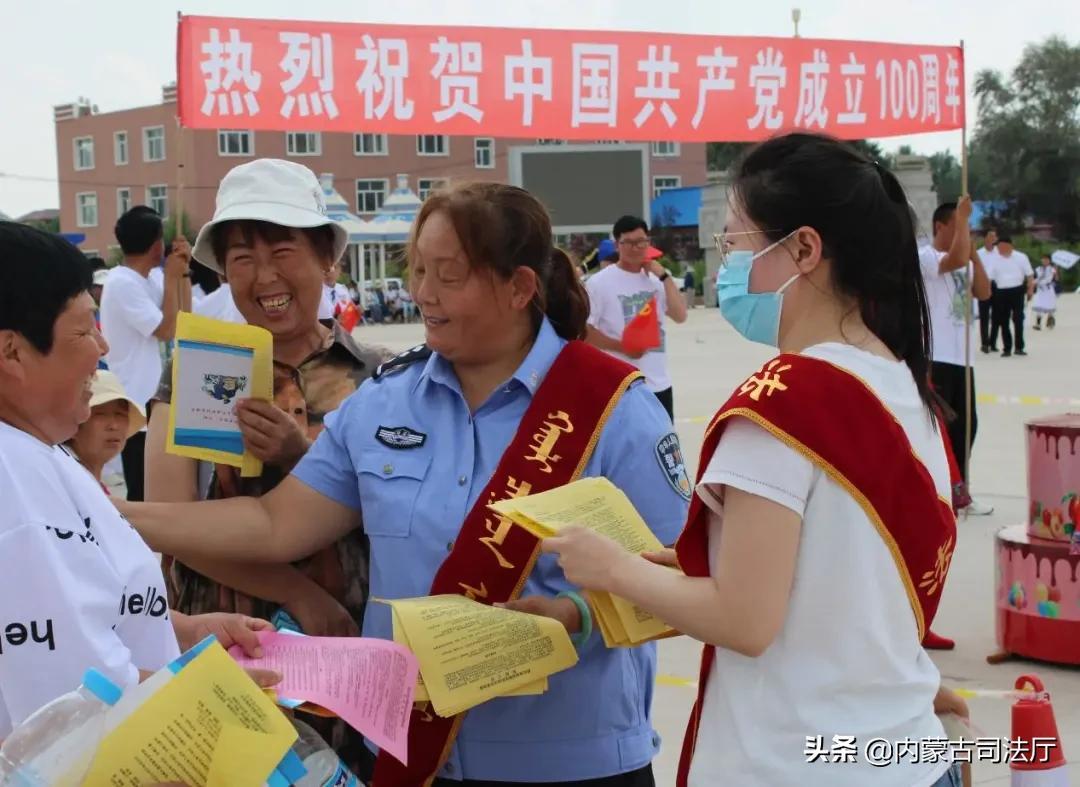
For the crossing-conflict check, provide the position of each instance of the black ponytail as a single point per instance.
(867, 230)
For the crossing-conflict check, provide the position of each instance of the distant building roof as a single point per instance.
(40, 215)
(676, 207)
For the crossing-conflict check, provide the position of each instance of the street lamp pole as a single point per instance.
(796, 15)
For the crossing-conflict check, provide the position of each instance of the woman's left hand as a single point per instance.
(229, 629)
(270, 433)
(948, 701)
(561, 609)
(587, 558)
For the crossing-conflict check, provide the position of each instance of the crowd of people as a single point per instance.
(820, 263)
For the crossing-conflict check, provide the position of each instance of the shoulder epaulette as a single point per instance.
(419, 353)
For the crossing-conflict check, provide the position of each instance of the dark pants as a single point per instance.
(988, 330)
(1009, 316)
(133, 458)
(667, 398)
(641, 778)
(948, 380)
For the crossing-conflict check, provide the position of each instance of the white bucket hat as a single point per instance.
(106, 387)
(267, 189)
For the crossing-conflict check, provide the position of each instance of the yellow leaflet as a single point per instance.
(215, 363)
(596, 504)
(209, 726)
(470, 652)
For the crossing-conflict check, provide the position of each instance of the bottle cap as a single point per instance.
(101, 687)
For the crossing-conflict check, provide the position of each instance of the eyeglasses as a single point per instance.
(640, 243)
(724, 244)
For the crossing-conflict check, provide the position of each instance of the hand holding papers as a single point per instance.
(367, 682)
(216, 363)
(470, 653)
(600, 506)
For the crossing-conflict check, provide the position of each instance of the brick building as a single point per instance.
(110, 161)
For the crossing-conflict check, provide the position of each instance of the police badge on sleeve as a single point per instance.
(670, 456)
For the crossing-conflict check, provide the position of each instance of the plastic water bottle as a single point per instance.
(55, 745)
(324, 767)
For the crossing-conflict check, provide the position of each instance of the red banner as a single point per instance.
(564, 84)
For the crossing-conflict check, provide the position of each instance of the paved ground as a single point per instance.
(708, 360)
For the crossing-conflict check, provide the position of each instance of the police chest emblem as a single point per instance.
(670, 456)
(400, 437)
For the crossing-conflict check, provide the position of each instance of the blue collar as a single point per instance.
(529, 374)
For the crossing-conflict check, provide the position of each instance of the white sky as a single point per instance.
(119, 53)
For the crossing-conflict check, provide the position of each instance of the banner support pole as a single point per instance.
(968, 375)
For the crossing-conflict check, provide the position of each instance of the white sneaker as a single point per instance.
(975, 508)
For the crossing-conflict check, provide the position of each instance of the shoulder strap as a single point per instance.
(419, 353)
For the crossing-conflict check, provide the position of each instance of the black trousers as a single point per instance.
(1009, 315)
(133, 458)
(948, 380)
(988, 330)
(667, 398)
(639, 778)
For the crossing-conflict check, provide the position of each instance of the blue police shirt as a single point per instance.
(595, 719)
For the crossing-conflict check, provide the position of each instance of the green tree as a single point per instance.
(1026, 147)
(945, 170)
(46, 225)
(170, 224)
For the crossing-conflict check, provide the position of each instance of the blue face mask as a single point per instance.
(756, 315)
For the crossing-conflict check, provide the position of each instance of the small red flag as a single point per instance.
(643, 332)
(349, 318)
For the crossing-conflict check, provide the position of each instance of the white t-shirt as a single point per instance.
(130, 313)
(326, 303)
(78, 587)
(946, 296)
(157, 278)
(1011, 271)
(848, 660)
(988, 258)
(220, 306)
(615, 298)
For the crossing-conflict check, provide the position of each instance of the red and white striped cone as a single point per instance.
(1039, 761)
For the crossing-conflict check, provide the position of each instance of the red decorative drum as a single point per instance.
(1038, 597)
(1054, 477)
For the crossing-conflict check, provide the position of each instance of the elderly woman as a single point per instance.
(114, 417)
(271, 240)
(78, 587)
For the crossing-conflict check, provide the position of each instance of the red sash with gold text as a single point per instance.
(491, 558)
(834, 419)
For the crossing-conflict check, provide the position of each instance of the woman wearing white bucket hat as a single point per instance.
(272, 241)
(114, 417)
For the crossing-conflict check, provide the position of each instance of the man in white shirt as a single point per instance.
(988, 330)
(951, 272)
(135, 317)
(1015, 280)
(618, 292)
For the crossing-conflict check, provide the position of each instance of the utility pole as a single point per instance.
(796, 15)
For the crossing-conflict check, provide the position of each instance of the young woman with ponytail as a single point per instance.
(821, 530)
(503, 399)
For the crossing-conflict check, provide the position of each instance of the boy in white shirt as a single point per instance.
(135, 316)
(618, 292)
(950, 270)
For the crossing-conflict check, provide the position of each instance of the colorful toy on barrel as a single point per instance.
(1054, 477)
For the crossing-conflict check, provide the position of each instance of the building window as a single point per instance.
(665, 149)
(425, 186)
(303, 143)
(120, 148)
(432, 145)
(153, 143)
(235, 143)
(123, 201)
(84, 152)
(484, 152)
(370, 195)
(370, 144)
(86, 209)
(157, 197)
(551, 142)
(663, 183)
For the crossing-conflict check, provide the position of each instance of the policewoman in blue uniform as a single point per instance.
(502, 400)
